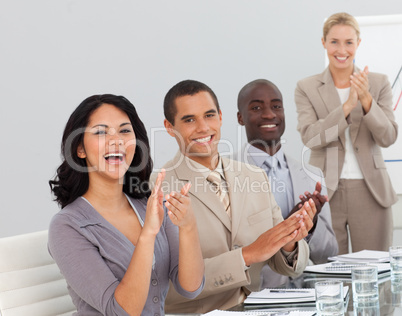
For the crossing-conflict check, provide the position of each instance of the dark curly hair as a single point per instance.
(72, 180)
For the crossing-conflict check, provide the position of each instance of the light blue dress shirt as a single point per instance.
(278, 175)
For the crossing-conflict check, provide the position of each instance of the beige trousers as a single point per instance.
(370, 225)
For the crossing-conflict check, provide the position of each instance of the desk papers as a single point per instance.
(284, 296)
(261, 312)
(345, 268)
(363, 256)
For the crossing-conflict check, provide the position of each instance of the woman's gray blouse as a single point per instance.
(93, 256)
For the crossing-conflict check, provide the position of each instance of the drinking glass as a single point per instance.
(329, 298)
(365, 283)
(395, 257)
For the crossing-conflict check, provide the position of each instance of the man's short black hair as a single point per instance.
(181, 89)
(251, 85)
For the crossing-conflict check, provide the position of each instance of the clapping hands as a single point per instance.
(154, 212)
(283, 235)
(360, 83)
(318, 199)
(177, 203)
(179, 206)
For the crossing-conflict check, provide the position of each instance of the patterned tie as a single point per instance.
(220, 188)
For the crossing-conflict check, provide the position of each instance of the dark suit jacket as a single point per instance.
(322, 124)
(253, 212)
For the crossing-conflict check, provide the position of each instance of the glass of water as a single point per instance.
(366, 308)
(365, 283)
(329, 298)
(395, 257)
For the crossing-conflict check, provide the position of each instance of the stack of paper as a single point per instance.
(300, 297)
(262, 313)
(345, 268)
(363, 256)
(281, 296)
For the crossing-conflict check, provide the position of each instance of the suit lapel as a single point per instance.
(237, 198)
(329, 96)
(200, 188)
(356, 116)
(328, 92)
(299, 178)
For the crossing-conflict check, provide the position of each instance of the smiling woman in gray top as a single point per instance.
(112, 240)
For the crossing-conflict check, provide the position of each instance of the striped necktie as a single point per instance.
(220, 188)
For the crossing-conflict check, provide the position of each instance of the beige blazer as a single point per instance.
(322, 124)
(226, 280)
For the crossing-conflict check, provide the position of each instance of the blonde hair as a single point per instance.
(340, 18)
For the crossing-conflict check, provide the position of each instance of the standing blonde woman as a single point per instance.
(344, 117)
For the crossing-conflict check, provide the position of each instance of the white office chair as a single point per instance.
(30, 281)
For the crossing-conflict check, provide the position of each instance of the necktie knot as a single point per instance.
(215, 178)
(272, 163)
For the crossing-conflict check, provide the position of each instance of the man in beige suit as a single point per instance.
(240, 228)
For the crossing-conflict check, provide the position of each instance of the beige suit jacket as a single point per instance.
(226, 280)
(322, 124)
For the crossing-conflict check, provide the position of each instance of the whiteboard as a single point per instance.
(381, 50)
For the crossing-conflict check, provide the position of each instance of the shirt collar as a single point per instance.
(219, 168)
(205, 171)
(257, 157)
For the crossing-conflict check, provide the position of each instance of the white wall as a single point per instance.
(56, 53)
